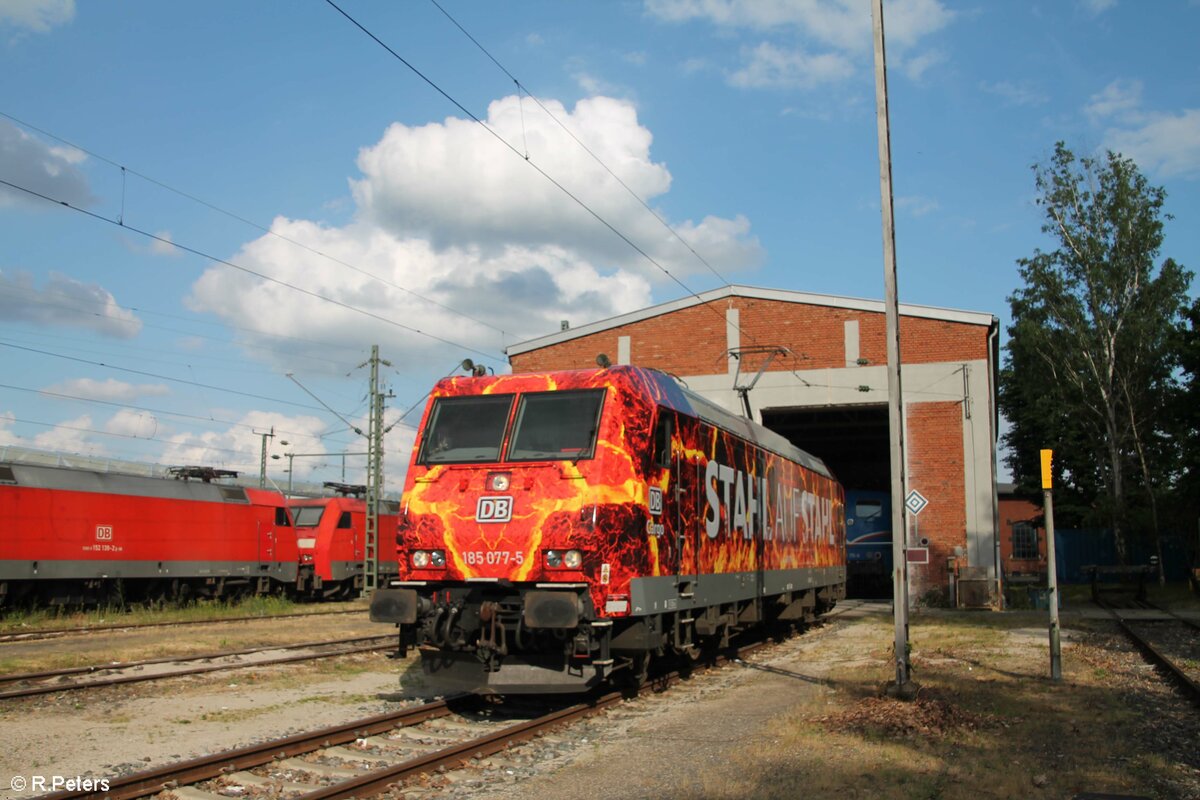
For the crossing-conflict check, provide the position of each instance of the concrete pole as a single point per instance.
(1051, 566)
(895, 394)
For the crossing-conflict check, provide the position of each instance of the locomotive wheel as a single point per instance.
(637, 673)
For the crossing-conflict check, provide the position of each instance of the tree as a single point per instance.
(1186, 417)
(1089, 360)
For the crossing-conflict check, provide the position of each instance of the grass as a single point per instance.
(988, 723)
(16, 620)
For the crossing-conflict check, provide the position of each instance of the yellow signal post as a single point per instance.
(1051, 568)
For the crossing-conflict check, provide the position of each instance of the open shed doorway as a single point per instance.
(853, 442)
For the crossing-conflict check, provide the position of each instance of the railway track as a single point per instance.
(116, 673)
(1172, 644)
(53, 633)
(365, 757)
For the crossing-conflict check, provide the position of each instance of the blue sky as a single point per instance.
(748, 126)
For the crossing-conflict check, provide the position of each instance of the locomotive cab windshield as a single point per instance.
(466, 430)
(549, 426)
(308, 516)
(556, 425)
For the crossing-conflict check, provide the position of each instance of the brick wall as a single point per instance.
(692, 341)
(934, 449)
(1012, 511)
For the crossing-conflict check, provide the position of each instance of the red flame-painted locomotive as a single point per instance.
(557, 528)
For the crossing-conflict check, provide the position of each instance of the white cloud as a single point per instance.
(768, 66)
(1165, 143)
(69, 436)
(163, 245)
(1015, 94)
(37, 15)
(110, 390)
(841, 24)
(1097, 7)
(593, 85)
(917, 65)
(450, 213)
(1121, 98)
(916, 205)
(130, 422)
(1168, 144)
(521, 290)
(51, 171)
(66, 302)
(836, 36)
(240, 448)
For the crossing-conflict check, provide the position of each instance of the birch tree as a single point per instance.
(1088, 363)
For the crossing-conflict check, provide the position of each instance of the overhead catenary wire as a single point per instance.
(263, 276)
(533, 165)
(515, 150)
(80, 429)
(522, 88)
(251, 223)
(78, 305)
(157, 375)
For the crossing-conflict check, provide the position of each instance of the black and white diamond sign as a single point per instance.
(915, 502)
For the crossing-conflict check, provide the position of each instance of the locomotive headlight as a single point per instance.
(565, 559)
(423, 559)
(499, 481)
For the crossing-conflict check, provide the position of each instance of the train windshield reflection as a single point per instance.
(556, 425)
(308, 516)
(465, 430)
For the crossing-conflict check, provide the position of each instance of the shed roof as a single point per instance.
(757, 293)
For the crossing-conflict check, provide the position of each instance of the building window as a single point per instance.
(1024, 541)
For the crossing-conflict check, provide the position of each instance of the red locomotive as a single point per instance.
(80, 537)
(557, 528)
(330, 534)
(71, 536)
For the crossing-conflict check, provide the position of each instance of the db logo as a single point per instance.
(655, 501)
(104, 533)
(494, 509)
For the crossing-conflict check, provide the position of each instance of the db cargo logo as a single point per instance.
(494, 509)
(104, 533)
(655, 501)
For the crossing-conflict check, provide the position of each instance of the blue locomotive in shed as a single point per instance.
(868, 544)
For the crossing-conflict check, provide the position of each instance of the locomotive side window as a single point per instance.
(465, 429)
(556, 425)
(344, 521)
(282, 519)
(309, 516)
(662, 439)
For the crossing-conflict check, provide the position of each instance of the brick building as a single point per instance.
(1022, 537)
(818, 365)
